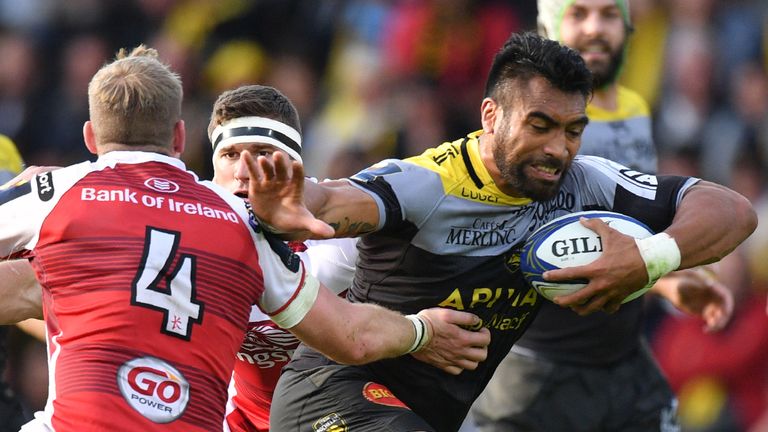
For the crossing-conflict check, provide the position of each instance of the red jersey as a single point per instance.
(136, 258)
(267, 347)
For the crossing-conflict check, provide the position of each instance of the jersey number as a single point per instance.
(177, 299)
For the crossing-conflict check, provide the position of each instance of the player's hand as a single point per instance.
(452, 347)
(275, 191)
(617, 273)
(27, 175)
(698, 292)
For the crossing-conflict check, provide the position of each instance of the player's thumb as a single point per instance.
(463, 319)
(320, 230)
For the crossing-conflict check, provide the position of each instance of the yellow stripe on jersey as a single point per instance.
(630, 105)
(447, 161)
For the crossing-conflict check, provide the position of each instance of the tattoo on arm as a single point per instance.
(350, 228)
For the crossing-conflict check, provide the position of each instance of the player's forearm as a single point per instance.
(354, 333)
(710, 223)
(374, 333)
(20, 295)
(350, 211)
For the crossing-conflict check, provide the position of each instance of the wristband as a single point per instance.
(661, 255)
(422, 335)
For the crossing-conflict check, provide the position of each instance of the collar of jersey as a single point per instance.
(489, 186)
(132, 157)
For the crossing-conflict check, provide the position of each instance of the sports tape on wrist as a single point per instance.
(660, 253)
(422, 336)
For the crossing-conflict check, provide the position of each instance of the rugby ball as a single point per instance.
(565, 242)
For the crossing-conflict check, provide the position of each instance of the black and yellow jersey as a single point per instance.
(449, 237)
(622, 135)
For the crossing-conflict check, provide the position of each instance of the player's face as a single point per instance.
(535, 140)
(595, 28)
(229, 170)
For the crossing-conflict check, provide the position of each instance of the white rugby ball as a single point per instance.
(565, 242)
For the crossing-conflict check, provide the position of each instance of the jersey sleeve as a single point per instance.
(649, 198)
(289, 290)
(391, 184)
(332, 262)
(24, 207)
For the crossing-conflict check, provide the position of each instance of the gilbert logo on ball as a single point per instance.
(154, 388)
(565, 242)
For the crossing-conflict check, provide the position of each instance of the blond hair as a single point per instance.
(135, 101)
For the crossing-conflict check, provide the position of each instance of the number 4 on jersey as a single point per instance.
(177, 299)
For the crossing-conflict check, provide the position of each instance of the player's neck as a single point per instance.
(110, 147)
(606, 98)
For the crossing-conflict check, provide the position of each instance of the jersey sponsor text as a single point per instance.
(154, 388)
(175, 205)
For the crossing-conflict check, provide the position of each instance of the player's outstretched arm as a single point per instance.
(359, 333)
(20, 294)
(710, 222)
(299, 209)
(697, 291)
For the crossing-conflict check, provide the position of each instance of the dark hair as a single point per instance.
(528, 55)
(253, 100)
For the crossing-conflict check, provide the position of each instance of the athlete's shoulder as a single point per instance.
(629, 104)
(632, 103)
(435, 158)
(433, 172)
(49, 186)
(592, 168)
(447, 160)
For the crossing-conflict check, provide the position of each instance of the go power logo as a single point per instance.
(154, 388)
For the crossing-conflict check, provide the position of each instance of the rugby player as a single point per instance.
(517, 173)
(566, 364)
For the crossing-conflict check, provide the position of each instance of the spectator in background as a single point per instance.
(738, 129)
(20, 78)
(686, 103)
(449, 43)
(60, 140)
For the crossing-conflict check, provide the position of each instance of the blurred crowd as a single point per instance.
(379, 78)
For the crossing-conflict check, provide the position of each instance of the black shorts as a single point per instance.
(337, 398)
(532, 394)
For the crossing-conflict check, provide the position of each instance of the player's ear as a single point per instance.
(89, 137)
(179, 137)
(489, 109)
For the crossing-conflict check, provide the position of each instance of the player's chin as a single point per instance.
(541, 190)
